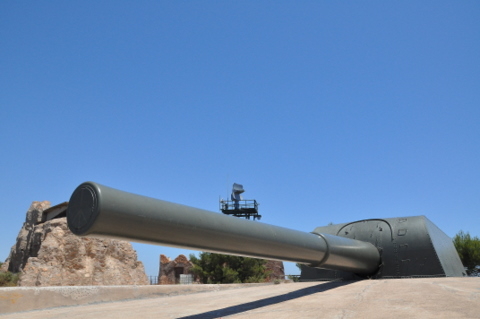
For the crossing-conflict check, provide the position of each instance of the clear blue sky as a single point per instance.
(324, 111)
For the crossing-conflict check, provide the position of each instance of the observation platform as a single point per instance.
(246, 208)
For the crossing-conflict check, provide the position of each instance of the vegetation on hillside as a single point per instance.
(8, 279)
(213, 268)
(468, 249)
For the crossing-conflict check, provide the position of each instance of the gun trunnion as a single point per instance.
(100, 211)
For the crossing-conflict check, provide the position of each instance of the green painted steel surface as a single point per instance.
(101, 211)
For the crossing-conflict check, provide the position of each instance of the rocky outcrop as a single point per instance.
(26, 246)
(275, 270)
(48, 254)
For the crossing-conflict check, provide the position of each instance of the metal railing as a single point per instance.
(242, 208)
(153, 280)
(245, 204)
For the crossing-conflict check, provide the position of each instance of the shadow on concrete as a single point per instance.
(269, 301)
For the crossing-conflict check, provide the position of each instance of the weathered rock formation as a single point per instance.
(170, 270)
(48, 254)
(276, 270)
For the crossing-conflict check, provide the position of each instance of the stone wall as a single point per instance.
(276, 270)
(170, 270)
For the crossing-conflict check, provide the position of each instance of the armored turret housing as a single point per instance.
(408, 246)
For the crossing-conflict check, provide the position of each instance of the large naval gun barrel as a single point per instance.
(101, 211)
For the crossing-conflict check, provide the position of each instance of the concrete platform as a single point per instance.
(19, 299)
(394, 298)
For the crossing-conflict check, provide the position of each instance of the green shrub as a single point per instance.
(468, 249)
(213, 268)
(8, 279)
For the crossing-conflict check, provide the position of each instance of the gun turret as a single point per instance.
(101, 211)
